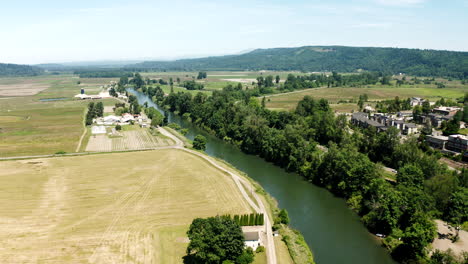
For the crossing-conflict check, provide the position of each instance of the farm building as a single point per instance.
(127, 117)
(252, 239)
(109, 120)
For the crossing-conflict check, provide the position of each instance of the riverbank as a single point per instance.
(290, 245)
(324, 220)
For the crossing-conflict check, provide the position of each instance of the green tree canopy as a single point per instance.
(216, 240)
(199, 142)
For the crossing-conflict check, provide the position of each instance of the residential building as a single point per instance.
(436, 141)
(410, 128)
(457, 143)
(361, 119)
(447, 111)
(252, 239)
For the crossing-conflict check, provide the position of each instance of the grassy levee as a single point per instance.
(132, 207)
(291, 249)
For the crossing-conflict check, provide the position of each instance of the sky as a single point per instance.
(54, 31)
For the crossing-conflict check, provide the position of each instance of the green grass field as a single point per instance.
(109, 208)
(333, 95)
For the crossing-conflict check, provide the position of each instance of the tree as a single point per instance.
(99, 109)
(214, 240)
(199, 142)
(112, 92)
(457, 208)
(415, 238)
(277, 79)
(157, 119)
(138, 80)
(450, 127)
(201, 75)
(283, 217)
(410, 175)
(426, 107)
(166, 119)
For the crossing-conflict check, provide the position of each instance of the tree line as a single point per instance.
(330, 58)
(8, 69)
(350, 168)
(102, 73)
(94, 110)
(248, 219)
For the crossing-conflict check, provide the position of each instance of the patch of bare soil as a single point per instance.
(22, 89)
(444, 242)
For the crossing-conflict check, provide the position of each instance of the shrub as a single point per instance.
(260, 249)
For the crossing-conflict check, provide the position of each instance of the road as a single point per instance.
(258, 205)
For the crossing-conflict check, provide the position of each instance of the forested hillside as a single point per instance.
(330, 58)
(18, 70)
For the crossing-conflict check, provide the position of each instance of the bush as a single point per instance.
(199, 142)
(283, 217)
(174, 126)
(118, 127)
(260, 249)
(184, 131)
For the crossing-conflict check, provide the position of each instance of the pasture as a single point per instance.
(109, 208)
(333, 95)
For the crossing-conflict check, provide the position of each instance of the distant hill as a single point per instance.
(329, 58)
(7, 69)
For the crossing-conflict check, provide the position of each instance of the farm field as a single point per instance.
(130, 140)
(216, 80)
(333, 95)
(29, 126)
(98, 209)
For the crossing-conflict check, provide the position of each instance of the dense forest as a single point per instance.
(19, 70)
(102, 73)
(402, 211)
(330, 58)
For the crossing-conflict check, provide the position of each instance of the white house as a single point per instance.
(252, 240)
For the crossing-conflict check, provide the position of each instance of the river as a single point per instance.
(332, 231)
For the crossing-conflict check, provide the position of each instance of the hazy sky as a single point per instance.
(61, 31)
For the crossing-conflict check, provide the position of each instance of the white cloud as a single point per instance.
(400, 2)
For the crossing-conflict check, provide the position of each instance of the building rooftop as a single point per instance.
(251, 236)
(438, 137)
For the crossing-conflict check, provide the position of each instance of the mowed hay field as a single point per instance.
(108, 208)
(130, 140)
(333, 95)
